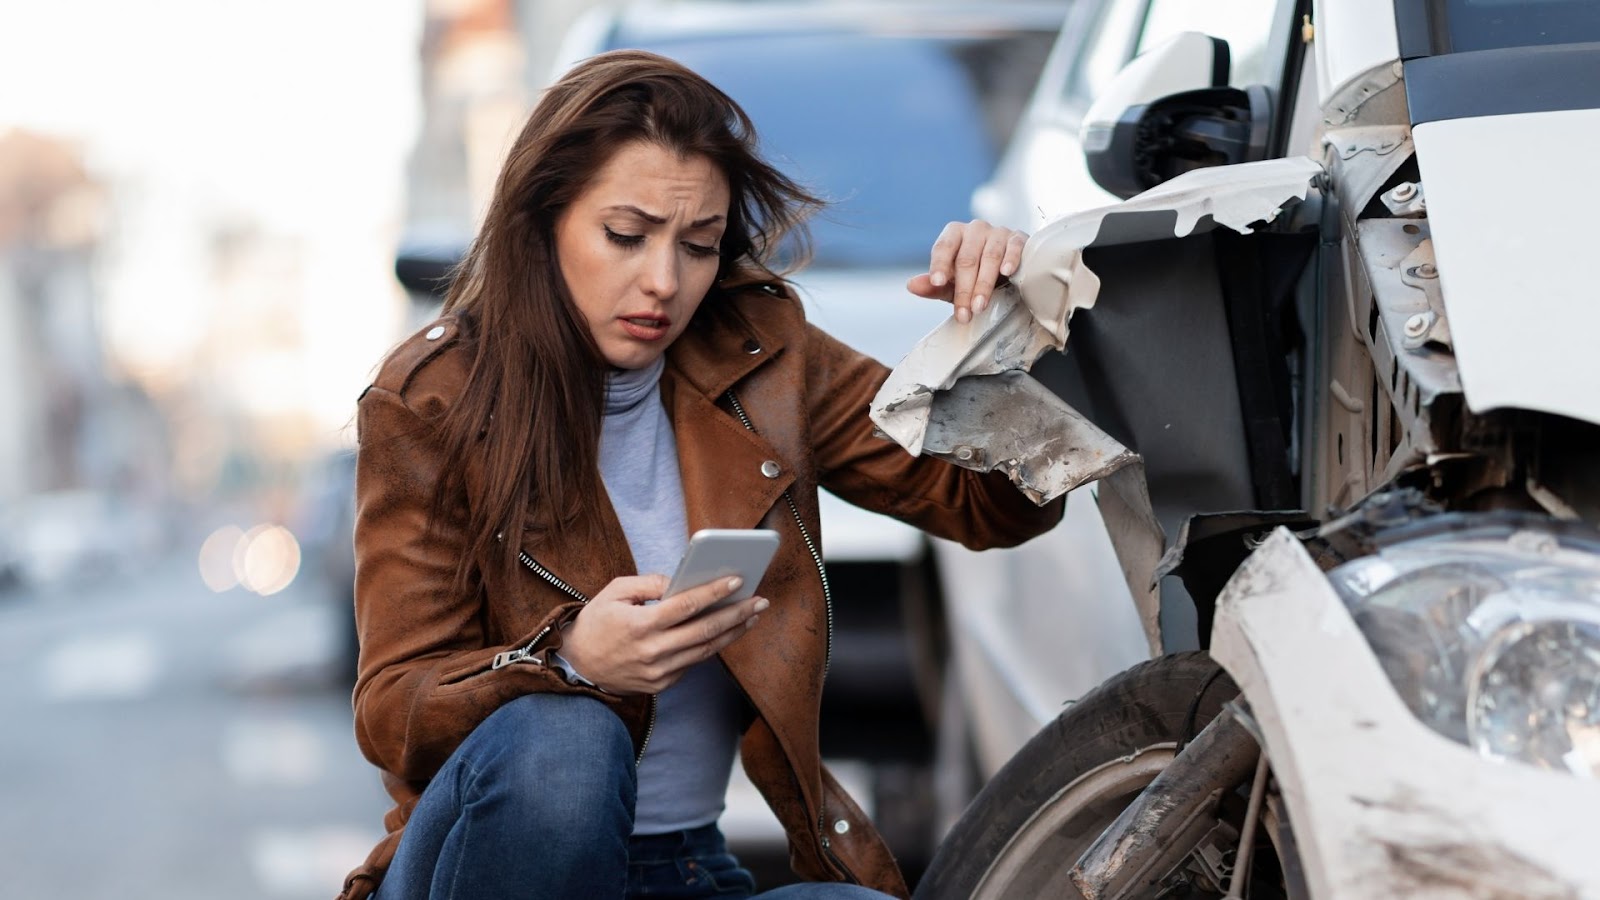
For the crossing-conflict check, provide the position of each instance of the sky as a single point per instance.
(288, 117)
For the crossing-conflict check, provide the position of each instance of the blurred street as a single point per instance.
(162, 740)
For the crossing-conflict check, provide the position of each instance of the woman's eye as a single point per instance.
(623, 240)
(700, 249)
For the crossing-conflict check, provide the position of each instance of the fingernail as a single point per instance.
(1006, 269)
(963, 315)
(978, 303)
(937, 280)
(735, 583)
(762, 604)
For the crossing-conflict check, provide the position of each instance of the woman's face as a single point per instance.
(639, 249)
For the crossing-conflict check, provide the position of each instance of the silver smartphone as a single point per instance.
(715, 553)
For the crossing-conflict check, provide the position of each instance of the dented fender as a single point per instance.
(1382, 806)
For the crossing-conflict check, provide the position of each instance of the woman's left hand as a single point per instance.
(968, 259)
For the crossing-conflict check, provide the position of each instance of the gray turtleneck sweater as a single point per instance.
(683, 778)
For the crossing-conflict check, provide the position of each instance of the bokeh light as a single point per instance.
(216, 558)
(266, 559)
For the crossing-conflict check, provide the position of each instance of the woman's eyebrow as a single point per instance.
(661, 220)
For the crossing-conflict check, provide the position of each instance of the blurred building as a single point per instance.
(47, 237)
(483, 62)
(472, 98)
(75, 443)
(61, 417)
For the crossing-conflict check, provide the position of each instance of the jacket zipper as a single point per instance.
(507, 657)
(811, 546)
(827, 601)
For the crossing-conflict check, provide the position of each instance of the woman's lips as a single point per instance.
(645, 328)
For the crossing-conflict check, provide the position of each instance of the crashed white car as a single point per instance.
(1327, 388)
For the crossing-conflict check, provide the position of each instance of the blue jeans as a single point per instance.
(538, 802)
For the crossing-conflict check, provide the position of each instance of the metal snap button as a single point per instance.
(841, 827)
(770, 469)
(435, 333)
(751, 347)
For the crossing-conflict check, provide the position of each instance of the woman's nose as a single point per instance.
(660, 276)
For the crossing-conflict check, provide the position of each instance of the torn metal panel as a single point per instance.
(1012, 423)
(1007, 423)
(1020, 325)
(1236, 196)
(1137, 538)
(1052, 277)
(1003, 338)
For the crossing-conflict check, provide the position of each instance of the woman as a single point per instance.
(617, 367)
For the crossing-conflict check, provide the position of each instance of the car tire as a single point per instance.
(1038, 814)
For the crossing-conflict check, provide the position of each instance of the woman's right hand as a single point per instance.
(967, 262)
(626, 647)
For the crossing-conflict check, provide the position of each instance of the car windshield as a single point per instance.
(1494, 24)
(895, 131)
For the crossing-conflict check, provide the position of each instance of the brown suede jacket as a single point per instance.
(428, 671)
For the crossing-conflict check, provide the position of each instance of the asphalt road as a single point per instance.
(159, 740)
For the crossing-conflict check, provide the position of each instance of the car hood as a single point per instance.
(1511, 215)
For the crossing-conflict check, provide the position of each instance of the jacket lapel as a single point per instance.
(721, 464)
(721, 346)
(724, 465)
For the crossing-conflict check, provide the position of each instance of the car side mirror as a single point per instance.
(1170, 110)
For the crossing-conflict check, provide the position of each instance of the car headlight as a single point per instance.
(1491, 635)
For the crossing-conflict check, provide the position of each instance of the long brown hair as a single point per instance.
(529, 417)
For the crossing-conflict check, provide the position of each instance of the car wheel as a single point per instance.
(1032, 821)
